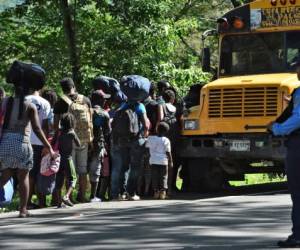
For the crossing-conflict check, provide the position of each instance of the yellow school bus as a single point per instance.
(225, 136)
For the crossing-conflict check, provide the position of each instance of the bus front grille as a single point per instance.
(243, 102)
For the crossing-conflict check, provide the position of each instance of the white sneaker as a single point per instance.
(95, 199)
(134, 198)
(124, 196)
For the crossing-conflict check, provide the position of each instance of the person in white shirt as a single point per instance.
(51, 97)
(160, 160)
(43, 108)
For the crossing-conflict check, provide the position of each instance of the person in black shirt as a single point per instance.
(151, 106)
(102, 130)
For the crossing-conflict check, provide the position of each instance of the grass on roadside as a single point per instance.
(250, 179)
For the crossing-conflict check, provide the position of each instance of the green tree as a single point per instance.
(85, 38)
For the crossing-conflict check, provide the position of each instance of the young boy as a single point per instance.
(66, 141)
(160, 159)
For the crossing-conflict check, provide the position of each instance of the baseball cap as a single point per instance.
(100, 94)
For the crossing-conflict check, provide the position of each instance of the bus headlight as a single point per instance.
(191, 124)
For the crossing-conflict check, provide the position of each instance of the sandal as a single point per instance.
(25, 215)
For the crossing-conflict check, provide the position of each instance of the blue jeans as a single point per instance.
(293, 177)
(126, 156)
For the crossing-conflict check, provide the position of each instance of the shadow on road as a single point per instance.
(252, 223)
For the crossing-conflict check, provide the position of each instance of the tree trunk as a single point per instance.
(69, 28)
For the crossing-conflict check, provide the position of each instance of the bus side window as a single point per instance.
(292, 55)
(293, 47)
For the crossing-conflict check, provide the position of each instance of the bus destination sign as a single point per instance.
(275, 17)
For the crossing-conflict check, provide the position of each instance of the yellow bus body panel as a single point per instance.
(230, 105)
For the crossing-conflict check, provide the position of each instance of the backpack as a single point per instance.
(83, 118)
(98, 123)
(125, 124)
(169, 116)
(151, 109)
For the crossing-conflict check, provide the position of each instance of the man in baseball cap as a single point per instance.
(101, 129)
(99, 94)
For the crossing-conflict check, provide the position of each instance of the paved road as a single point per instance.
(235, 222)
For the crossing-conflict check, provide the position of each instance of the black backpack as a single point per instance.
(125, 124)
(169, 116)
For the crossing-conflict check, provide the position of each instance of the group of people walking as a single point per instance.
(116, 146)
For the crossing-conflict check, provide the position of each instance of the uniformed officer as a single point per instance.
(289, 124)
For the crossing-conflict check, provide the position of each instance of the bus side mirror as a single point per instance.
(206, 60)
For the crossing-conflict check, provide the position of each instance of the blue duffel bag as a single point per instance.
(135, 87)
(6, 193)
(109, 86)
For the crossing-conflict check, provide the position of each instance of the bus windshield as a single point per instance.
(259, 53)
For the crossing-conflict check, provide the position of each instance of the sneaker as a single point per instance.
(95, 199)
(67, 201)
(125, 196)
(290, 242)
(156, 195)
(162, 195)
(134, 198)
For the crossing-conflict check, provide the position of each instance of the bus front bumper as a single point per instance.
(233, 146)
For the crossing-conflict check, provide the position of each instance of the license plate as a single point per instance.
(239, 145)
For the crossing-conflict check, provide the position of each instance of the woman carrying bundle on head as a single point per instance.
(16, 153)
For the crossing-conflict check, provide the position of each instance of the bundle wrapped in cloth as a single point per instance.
(135, 87)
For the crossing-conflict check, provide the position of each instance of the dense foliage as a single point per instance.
(85, 38)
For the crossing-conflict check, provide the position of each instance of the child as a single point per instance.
(66, 140)
(160, 159)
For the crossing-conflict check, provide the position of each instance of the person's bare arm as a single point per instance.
(107, 129)
(160, 114)
(76, 139)
(144, 120)
(170, 160)
(35, 124)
